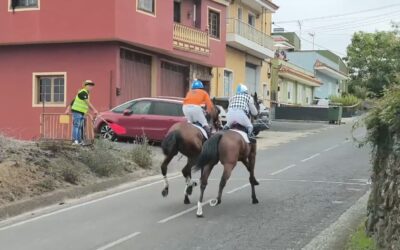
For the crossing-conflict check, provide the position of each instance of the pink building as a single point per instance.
(130, 48)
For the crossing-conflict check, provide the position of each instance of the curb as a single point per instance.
(59, 197)
(336, 235)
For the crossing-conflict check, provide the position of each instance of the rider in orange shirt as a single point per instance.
(192, 105)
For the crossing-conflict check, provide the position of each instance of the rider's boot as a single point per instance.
(208, 131)
(252, 137)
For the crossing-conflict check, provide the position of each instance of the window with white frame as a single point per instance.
(146, 5)
(23, 4)
(214, 24)
(228, 81)
(252, 19)
(49, 89)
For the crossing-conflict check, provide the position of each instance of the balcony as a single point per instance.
(245, 37)
(191, 39)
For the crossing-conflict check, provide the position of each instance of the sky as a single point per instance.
(335, 29)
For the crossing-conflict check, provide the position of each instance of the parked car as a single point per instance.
(151, 117)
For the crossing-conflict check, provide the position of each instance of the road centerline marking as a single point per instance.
(20, 223)
(283, 169)
(181, 213)
(331, 148)
(119, 241)
(238, 188)
(311, 157)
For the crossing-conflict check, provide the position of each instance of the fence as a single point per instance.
(54, 126)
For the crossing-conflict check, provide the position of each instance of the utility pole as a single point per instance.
(312, 34)
(300, 24)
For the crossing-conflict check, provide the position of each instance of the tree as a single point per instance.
(374, 61)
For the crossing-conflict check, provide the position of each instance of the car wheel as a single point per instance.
(107, 133)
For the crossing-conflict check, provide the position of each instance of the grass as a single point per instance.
(360, 241)
(347, 100)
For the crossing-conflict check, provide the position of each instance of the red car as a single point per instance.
(151, 117)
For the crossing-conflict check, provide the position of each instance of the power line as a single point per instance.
(339, 15)
(364, 19)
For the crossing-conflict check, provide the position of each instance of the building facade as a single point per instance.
(249, 48)
(328, 67)
(130, 48)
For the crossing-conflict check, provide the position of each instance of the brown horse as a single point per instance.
(188, 140)
(229, 147)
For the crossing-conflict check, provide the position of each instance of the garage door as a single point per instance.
(173, 79)
(135, 75)
(251, 77)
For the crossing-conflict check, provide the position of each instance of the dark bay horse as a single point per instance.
(188, 140)
(227, 147)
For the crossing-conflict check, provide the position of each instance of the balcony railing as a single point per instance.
(191, 39)
(249, 32)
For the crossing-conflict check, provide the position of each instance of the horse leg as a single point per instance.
(203, 184)
(250, 165)
(187, 173)
(224, 178)
(164, 166)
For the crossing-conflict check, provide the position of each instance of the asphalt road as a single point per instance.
(305, 185)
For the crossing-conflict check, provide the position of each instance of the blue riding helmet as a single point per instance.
(241, 88)
(197, 84)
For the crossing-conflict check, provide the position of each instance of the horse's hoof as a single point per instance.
(164, 193)
(256, 183)
(189, 190)
(199, 215)
(214, 202)
(255, 201)
(186, 201)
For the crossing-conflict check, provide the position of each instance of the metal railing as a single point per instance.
(249, 32)
(191, 36)
(55, 126)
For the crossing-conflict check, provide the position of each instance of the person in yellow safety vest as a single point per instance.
(79, 107)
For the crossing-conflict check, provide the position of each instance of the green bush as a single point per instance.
(345, 100)
(101, 160)
(141, 153)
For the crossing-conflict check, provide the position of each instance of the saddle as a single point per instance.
(202, 130)
(236, 127)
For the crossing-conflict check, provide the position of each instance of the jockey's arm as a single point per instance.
(208, 102)
(252, 107)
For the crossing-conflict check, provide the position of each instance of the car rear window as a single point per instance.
(167, 109)
(121, 108)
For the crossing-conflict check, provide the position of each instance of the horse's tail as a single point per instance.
(209, 153)
(170, 143)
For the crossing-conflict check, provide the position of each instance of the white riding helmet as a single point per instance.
(241, 88)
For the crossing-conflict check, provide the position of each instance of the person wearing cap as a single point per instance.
(241, 106)
(195, 98)
(79, 107)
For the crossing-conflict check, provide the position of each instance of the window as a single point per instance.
(141, 107)
(228, 80)
(120, 109)
(167, 109)
(23, 4)
(252, 19)
(49, 89)
(177, 12)
(214, 24)
(146, 5)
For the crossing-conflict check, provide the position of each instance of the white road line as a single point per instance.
(237, 189)
(311, 157)
(353, 189)
(283, 169)
(331, 148)
(345, 141)
(117, 242)
(84, 204)
(311, 181)
(181, 213)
